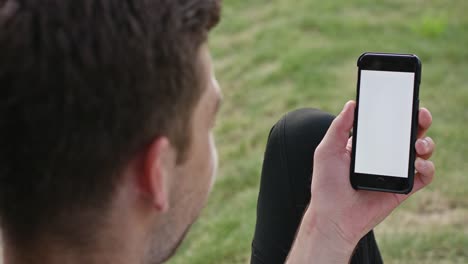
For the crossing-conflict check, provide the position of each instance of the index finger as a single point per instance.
(425, 121)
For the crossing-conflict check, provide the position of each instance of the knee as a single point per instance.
(304, 126)
(305, 123)
(304, 129)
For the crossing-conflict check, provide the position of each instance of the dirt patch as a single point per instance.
(430, 210)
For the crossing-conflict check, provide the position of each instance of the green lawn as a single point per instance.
(272, 56)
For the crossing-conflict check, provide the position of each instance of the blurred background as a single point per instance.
(273, 56)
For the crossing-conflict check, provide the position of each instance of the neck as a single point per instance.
(118, 237)
(53, 254)
(118, 248)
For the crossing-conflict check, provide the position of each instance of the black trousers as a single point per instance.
(285, 188)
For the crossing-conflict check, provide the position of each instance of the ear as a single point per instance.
(158, 165)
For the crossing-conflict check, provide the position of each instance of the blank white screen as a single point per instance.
(384, 123)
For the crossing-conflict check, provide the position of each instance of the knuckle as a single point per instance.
(318, 151)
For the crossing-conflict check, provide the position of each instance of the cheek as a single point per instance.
(214, 159)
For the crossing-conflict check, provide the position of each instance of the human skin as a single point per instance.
(158, 198)
(339, 216)
(156, 201)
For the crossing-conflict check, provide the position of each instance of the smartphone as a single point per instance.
(385, 122)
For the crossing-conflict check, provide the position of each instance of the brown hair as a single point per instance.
(84, 85)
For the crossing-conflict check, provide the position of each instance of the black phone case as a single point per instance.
(361, 63)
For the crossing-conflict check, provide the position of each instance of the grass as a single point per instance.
(277, 55)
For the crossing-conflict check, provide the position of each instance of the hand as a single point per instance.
(339, 215)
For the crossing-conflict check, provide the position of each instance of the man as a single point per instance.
(107, 153)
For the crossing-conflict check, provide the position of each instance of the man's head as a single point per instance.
(104, 105)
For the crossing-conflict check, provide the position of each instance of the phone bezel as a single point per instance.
(398, 63)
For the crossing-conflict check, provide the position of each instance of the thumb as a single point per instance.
(337, 135)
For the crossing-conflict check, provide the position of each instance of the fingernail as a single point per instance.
(421, 164)
(425, 144)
